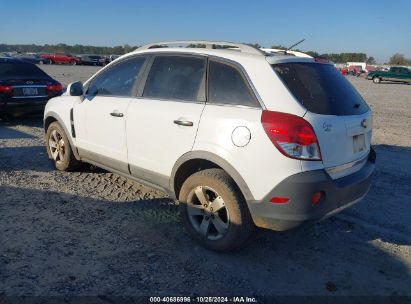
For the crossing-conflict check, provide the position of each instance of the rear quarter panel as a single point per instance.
(259, 163)
(272, 92)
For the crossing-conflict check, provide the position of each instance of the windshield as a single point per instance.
(321, 89)
(20, 69)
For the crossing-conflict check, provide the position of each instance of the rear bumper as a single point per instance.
(339, 194)
(22, 106)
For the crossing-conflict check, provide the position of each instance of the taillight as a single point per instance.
(54, 87)
(292, 135)
(6, 89)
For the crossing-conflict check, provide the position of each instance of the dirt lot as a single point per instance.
(95, 233)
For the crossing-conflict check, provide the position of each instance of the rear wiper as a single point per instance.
(356, 106)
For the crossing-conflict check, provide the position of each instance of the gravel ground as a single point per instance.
(94, 233)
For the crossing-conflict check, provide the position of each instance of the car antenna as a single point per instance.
(295, 44)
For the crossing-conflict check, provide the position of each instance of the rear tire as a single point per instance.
(376, 79)
(214, 212)
(59, 149)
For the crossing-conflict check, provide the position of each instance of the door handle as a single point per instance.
(184, 123)
(116, 114)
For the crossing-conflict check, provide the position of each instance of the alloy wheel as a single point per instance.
(207, 213)
(57, 146)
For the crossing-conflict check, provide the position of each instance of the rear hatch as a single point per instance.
(338, 114)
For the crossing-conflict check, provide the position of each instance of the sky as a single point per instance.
(378, 28)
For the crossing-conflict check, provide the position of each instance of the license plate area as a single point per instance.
(30, 92)
(359, 143)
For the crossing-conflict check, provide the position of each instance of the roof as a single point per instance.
(290, 52)
(231, 51)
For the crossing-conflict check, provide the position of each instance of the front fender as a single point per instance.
(59, 110)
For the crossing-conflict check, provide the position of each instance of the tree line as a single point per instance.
(71, 49)
(336, 57)
(396, 59)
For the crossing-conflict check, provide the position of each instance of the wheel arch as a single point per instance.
(51, 117)
(195, 161)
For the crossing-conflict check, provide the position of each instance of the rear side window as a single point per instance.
(117, 80)
(20, 69)
(321, 89)
(227, 86)
(176, 77)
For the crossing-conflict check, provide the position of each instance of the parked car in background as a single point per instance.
(104, 60)
(61, 58)
(91, 60)
(24, 87)
(355, 70)
(396, 74)
(251, 138)
(113, 57)
(33, 58)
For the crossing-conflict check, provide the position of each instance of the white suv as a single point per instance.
(240, 137)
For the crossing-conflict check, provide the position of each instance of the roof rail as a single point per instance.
(244, 48)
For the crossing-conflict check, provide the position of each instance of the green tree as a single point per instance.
(399, 59)
(256, 45)
(61, 47)
(279, 46)
(371, 60)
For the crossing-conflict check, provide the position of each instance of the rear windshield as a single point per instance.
(20, 69)
(321, 89)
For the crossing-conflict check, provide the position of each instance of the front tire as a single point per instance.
(376, 79)
(59, 149)
(213, 210)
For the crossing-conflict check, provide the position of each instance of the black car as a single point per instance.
(33, 58)
(90, 59)
(24, 87)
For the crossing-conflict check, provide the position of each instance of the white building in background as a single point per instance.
(361, 64)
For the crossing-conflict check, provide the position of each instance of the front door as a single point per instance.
(100, 120)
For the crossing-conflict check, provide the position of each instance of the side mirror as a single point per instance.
(75, 89)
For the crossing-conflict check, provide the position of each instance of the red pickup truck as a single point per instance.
(61, 58)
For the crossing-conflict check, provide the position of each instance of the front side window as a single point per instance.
(176, 77)
(117, 80)
(227, 86)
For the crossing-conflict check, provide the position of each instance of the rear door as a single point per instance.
(100, 120)
(162, 123)
(340, 117)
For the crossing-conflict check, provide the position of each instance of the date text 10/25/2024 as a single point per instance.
(199, 299)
